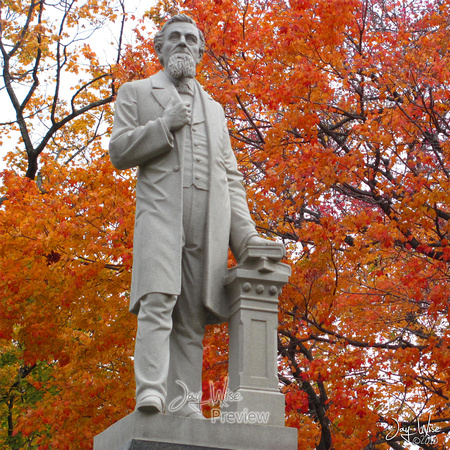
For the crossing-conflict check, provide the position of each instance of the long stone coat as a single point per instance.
(140, 139)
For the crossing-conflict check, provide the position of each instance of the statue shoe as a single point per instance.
(150, 404)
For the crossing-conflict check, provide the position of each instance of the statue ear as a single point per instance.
(159, 54)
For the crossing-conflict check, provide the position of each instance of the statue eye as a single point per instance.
(174, 37)
(191, 39)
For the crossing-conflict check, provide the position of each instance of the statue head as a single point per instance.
(179, 46)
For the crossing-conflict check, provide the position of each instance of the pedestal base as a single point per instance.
(264, 404)
(140, 431)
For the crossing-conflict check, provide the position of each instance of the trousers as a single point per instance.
(168, 349)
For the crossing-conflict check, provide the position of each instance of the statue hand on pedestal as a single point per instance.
(258, 241)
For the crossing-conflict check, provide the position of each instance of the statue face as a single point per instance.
(180, 37)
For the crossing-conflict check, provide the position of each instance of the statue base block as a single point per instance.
(141, 431)
(270, 403)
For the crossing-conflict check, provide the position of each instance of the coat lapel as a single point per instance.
(163, 90)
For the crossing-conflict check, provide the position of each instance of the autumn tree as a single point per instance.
(339, 113)
(54, 81)
(66, 223)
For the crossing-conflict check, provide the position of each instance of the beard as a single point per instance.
(181, 65)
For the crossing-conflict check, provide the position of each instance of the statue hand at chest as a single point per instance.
(177, 114)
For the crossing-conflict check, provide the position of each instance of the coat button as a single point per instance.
(176, 168)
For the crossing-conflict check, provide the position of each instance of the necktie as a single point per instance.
(184, 89)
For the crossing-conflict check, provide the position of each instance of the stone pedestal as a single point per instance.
(253, 287)
(141, 431)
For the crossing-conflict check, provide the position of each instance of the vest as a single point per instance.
(196, 155)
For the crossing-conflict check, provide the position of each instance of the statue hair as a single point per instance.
(159, 36)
